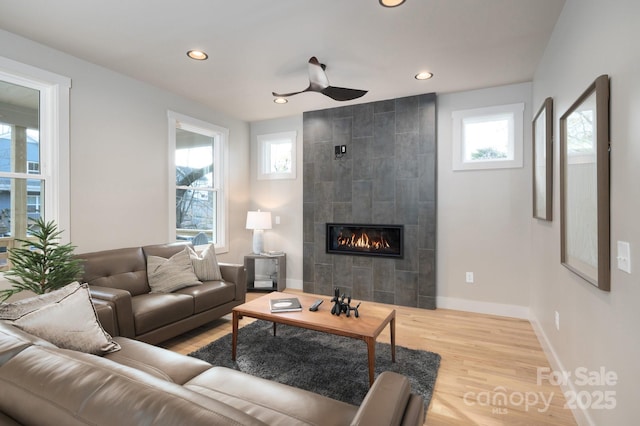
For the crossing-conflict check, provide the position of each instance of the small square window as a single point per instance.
(277, 156)
(488, 138)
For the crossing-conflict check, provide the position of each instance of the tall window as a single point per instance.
(197, 152)
(34, 146)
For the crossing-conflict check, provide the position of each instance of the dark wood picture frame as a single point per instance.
(542, 132)
(584, 186)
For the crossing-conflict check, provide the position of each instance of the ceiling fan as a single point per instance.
(318, 82)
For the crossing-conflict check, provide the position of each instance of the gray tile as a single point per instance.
(427, 177)
(384, 106)
(362, 202)
(342, 213)
(426, 302)
(406, 292)
(362, 284)
(342, 271)
(342, 178)
(308, 263)
(384, 187)
(410, 260)
(308, 222)
(382, 297)
(384, 275)
(324, 279)
(406, 196)
(316, 126)
(384, 212)
(427, 273)
(407, 159)
(363, 120)
(308, 183)
(384, 135)
(323, 153)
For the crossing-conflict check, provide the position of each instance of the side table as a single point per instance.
(279, 278)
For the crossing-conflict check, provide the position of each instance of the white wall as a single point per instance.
(282, 198)
(483, 217)
(597, 329)
(119, 154)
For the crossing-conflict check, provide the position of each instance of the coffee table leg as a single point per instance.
(371, 352)
(234, 336)
(392, 329)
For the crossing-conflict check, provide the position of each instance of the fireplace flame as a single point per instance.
(362, 241)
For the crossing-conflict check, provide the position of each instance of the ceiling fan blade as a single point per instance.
(284, 95)
(317, 77)
(343, 93)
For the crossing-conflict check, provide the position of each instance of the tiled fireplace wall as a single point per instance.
(387, 176)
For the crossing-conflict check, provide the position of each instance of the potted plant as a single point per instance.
(41, 264)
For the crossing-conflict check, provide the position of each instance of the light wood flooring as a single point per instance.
(488, 373)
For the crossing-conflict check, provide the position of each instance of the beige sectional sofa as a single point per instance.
(118, 278)
(141, 384)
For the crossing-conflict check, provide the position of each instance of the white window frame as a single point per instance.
(221, 177)
(264, 154)
(54, 138)
(513, 112)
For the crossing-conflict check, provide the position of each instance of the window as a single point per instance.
(34, 147)
(488, 138)
(197, 173)
(277, 156)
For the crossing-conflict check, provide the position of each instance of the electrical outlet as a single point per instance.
(337, 150)
(469, 277)
(343, 149)
(557, 317)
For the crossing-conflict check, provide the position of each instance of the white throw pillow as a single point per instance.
(65, 317)
(167, 275)
(205, 264)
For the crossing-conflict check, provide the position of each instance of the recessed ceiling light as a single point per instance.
(424, 75)
(198, 55)
(280, 100)
(391, 3)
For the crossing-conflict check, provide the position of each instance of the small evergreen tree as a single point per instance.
(42, 264)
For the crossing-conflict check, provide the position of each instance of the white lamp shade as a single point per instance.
(258, 220)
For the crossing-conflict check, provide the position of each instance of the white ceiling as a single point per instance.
(259, 46)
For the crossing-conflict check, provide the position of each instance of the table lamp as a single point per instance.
(258, 221)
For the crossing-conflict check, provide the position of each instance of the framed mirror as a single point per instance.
(584, 185)
(543, 161)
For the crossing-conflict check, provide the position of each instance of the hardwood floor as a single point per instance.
(489, 369)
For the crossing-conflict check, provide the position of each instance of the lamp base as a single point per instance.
(258, 241)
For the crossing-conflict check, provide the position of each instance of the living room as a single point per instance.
(118, 194)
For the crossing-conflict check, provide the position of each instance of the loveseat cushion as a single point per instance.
(271, 402)
(210, 294)
(123, 268)
(154, 310)
(66, 317)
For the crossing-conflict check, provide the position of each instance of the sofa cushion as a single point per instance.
(154, 310)
(205, 264)
(159, 362)
(210, 294)
(47, 386)
(255, 396)
(64, 317)
(167, 275)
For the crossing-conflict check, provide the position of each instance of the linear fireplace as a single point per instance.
(365, 240)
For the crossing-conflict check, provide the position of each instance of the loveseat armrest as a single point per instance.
(122, 306)
(390, 402)
(235, 273)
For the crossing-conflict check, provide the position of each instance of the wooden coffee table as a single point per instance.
(367, 327)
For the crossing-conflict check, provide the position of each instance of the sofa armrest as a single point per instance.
(121, 303)
(390, 402)
(235, 273)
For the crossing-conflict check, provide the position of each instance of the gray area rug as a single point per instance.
(330, 365)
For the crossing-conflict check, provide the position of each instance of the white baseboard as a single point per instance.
(500, 309)
(581, 415)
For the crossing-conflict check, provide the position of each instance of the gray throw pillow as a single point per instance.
(205, 264)
(167, 275)
(65, 317)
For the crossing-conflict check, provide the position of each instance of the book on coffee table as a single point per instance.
(287, 304)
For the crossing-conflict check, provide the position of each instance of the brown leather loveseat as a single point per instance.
(119, 278)
(42, 384)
